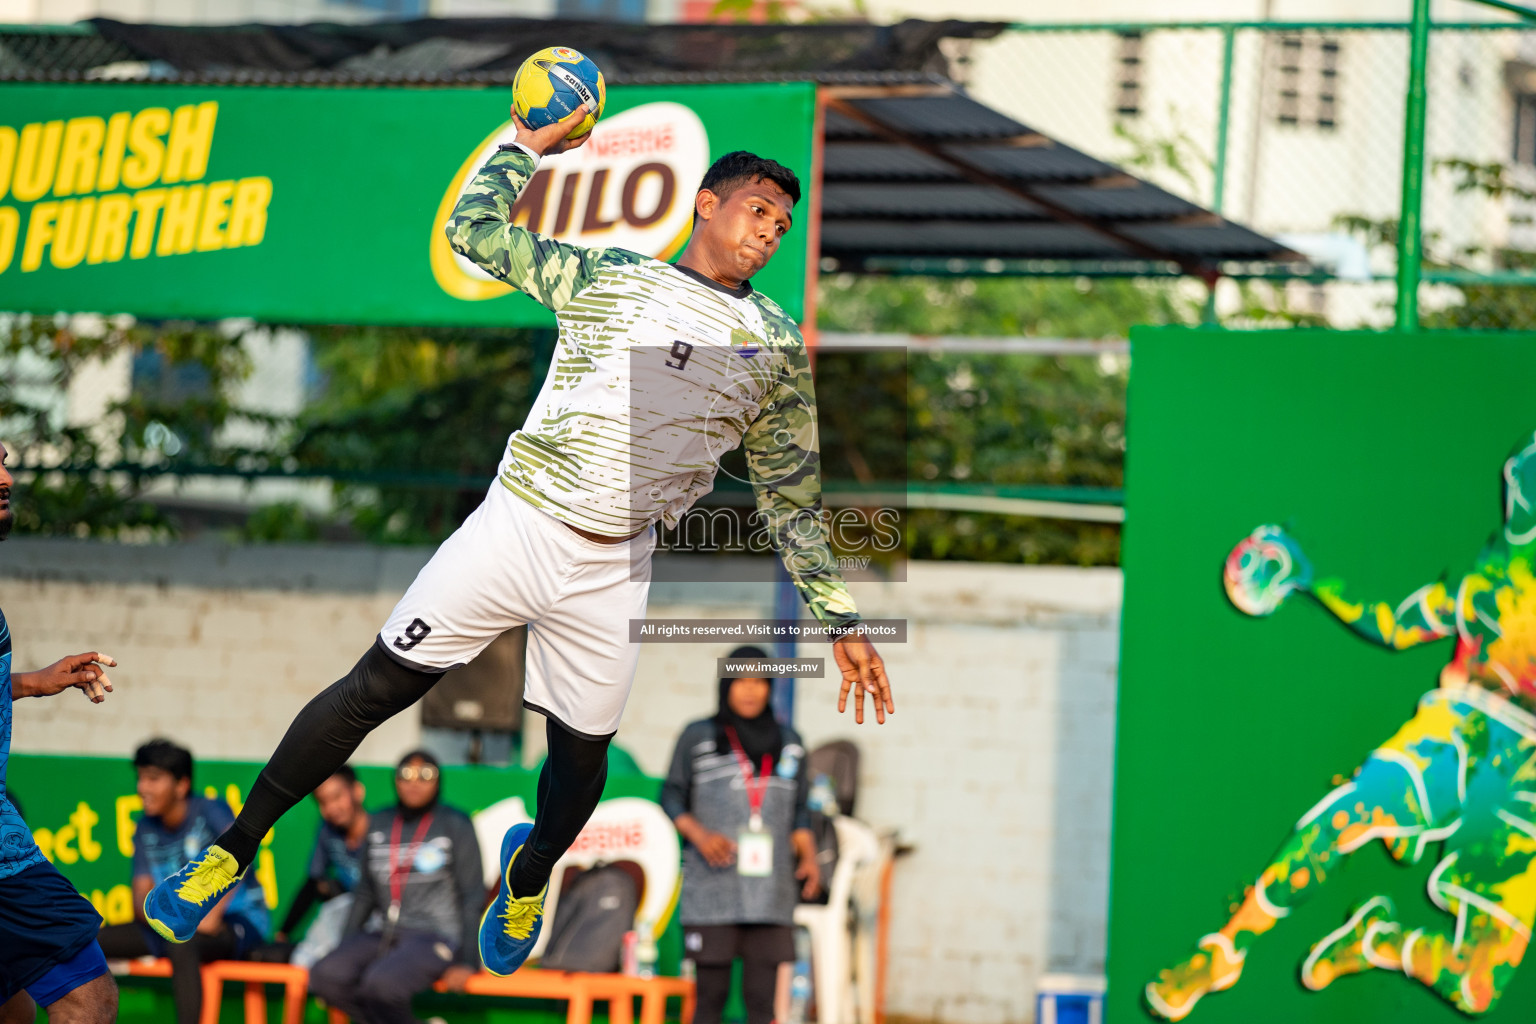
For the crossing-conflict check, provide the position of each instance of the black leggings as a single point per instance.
(759, 982)
(330, 728)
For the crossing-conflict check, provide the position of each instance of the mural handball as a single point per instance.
(1457, 782)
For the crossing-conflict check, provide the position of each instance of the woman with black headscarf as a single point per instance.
(737, 792)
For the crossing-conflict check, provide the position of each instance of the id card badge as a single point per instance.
(754, 854)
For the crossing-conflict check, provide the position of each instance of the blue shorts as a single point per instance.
(47, 933)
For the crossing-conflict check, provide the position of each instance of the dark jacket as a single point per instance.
(444, 893)
(708, 784)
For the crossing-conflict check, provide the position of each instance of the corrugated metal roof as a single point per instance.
(923, 172)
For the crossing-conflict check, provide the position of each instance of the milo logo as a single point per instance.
(631, 186)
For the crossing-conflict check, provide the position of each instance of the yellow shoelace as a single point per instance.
(520, 916)
(205, 881)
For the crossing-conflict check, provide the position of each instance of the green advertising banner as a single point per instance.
(310, 205)
(1325, 778)
(83, 811)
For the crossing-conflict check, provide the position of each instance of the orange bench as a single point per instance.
(295, 982)
(580, 991)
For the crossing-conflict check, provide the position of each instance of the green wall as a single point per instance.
(1382, 453)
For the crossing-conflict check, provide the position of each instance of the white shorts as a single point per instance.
(511, 564)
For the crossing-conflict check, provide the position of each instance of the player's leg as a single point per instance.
(1403, 791)
(19, 1009)
(90, 1002)
(482, 581)
(580, 667)
(1486, 880)
(48, 945)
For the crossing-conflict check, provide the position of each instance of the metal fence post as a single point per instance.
(1219, 168)
(1409, 236)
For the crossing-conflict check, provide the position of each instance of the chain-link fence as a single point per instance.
(1296, 130)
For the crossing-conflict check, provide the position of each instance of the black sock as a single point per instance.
(320, 740)
(570, 785)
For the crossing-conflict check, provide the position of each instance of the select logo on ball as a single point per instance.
(631, 186)
(565, 53)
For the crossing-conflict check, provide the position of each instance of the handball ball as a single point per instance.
(553, 83)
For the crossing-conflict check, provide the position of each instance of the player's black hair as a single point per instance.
(165, 755)
(346, 773)
(739, 168)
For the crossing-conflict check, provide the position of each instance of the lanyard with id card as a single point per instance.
(399, 873)
(754, 845)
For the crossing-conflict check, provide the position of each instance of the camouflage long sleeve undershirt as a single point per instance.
(655, 376)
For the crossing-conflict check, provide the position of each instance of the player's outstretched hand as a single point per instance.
(85, 671)
(863, 672)
(551, 139)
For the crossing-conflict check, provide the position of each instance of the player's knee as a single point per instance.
(95, 1002)
(379, 687)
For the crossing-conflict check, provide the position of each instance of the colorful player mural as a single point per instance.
(1461, 773)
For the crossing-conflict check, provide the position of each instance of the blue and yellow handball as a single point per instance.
(553, 83)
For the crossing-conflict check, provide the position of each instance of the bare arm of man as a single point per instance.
(85, 671)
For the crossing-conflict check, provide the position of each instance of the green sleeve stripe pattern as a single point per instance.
(481, 230)
(784, 462)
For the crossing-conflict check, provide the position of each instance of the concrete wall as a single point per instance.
(995, 768)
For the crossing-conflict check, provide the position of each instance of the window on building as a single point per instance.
(1307, 81)
(1128, 70)
(1524, 151)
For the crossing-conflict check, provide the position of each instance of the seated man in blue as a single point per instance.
(174, 826)
(334, 868)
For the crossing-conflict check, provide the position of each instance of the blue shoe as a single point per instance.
(176, 906)
(510, 926)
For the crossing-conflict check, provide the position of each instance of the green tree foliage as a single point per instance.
(997, 419)
(423, 411)
(135, 436)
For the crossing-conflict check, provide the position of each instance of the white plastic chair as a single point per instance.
(858, 847)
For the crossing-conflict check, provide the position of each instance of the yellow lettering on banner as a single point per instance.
(127, 807)
(61, 848)
(146, 210)
(99, 901)
(178, 224)
(73, 232)
(7, 157)
(119, 905)
(112, 151)
(144, 166)
(248, 212)
(186, 154)
(80, 156)
(84, 819)
(36, 157)
(39, 234)
(109, 238)
(44, 839)
(266, 874)
(210, 233)
(10, 227)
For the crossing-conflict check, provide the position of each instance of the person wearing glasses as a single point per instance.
(416, 908)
